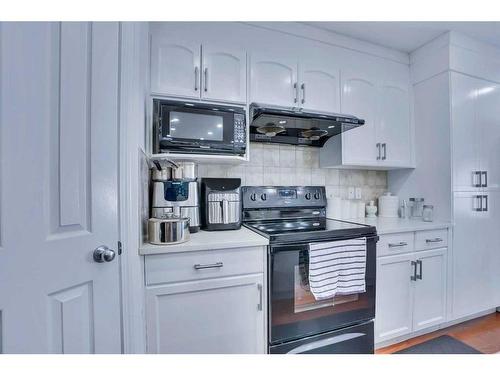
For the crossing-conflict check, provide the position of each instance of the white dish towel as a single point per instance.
(337, 268)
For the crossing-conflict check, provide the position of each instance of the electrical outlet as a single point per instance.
(350, 192)
(357, 193)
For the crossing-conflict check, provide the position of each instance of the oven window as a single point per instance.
(195, 126)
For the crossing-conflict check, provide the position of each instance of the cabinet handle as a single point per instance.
(196, 73)
(479, 203)
(296, 92)
(485, 183)
(384, 146)
(476, 178)
(303, 87)
(205, 266)
(419, 276)
(399, 244)
(206, 79)
(432, 240)
(485, 208)
(414, 277)
(378, 148)
(259, 305)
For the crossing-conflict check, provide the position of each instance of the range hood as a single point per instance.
(297, 127)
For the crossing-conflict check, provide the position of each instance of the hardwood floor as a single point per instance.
(482, 334)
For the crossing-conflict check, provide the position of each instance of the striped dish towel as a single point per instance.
(337, 268)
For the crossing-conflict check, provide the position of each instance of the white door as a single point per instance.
(394, 305)
(471, 260)
(466, 133)
(214, 316)
(393, 129)
(224, 74)
(273, 79)
(430, 289)
(359, 98)
(58, 183)
(488, 122)
(175, 67)
(319, 85)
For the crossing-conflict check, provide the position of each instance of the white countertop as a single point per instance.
(396, 225)
(204, 240)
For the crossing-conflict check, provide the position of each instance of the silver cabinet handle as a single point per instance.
(303, 87)
(479, 203)
(205, 266)
(414, 276)
(485, 183)
(196, 74)
(485, 207)
(295, 87)
(384, 146)
(432, 240)
(419, 276)
(378, 148)
(259, 305)
(206, 79)
(399, 244)
(477, 179)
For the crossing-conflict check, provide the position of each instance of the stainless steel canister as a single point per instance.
(168, 231)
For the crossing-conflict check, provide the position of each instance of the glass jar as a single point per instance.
(417, 207)
(428, 213)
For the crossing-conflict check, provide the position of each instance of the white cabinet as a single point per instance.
(384, 141)
(215, 316)
(192, 70)
(273, 79)
(411, 293)
(393, 315)
(476, 134)
(308, 83)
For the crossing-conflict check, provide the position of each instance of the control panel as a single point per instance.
(283, 196)
(240, 129)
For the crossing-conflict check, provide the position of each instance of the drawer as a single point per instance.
(431, 239)
(197, 265)
(395, 243)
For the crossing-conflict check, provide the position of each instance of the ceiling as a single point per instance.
(408, 36)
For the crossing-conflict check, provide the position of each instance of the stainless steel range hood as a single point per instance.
(296, 127)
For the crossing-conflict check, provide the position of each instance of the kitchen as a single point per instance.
(244, 151)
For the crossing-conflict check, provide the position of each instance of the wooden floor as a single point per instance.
(482, 334)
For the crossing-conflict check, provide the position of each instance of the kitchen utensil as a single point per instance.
(168, 231)
(186, 171)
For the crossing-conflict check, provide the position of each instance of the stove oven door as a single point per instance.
(294, 312)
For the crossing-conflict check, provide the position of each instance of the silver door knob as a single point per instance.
(104, 254)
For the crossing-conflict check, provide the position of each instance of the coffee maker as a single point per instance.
(175, 192)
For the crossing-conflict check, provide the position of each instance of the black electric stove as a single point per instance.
(291, 217)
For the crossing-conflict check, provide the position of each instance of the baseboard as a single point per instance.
(425, 331)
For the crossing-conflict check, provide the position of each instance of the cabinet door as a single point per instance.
(492, 246)
(359, 98)
(471, 262)
(393, 127)
(319, 85)
(487, 117)
(465, 131)
(430, 289)
(273, 80)
(224, 75)
(175, 67)
(211, 316)
(394, 303)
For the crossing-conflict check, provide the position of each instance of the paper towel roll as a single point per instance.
(388, 205)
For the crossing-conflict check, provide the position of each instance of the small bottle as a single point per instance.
(403, 213)
(428, 213)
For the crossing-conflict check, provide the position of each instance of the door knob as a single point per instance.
(104, 254)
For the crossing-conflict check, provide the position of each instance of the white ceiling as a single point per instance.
(408, 36)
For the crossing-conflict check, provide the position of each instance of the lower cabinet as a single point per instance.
(411, 293)
(221, 315)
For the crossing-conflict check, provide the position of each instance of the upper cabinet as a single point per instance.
(307, 83)
(385, 140)
(193, 70)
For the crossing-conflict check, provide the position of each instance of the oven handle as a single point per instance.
(304, 246)
(325, 342)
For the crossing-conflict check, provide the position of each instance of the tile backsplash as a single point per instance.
(292, 165)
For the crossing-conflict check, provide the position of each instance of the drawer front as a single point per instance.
(396, 243)
(431, 239)
(170, 268)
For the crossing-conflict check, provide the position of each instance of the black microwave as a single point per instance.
(191, 127)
